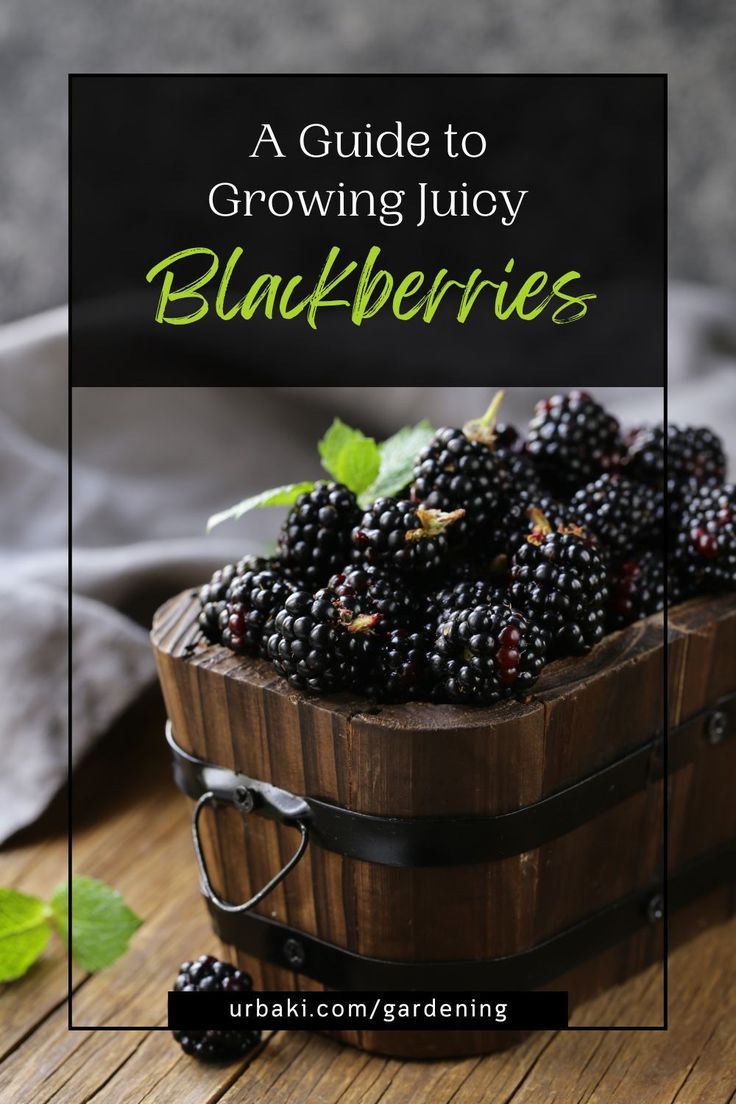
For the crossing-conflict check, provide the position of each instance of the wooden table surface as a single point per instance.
(131, 829)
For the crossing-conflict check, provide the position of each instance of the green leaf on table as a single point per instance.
(349, 456)
(102, 923)
(24, 932)
(398, 455)
(277, 496)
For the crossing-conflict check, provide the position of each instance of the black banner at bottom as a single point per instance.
(355, 1010)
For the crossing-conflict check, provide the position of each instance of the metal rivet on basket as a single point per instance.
(716, 726)
(655, 908)
(294, 953)
(244, 798)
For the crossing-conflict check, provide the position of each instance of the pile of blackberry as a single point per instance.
(501, 553)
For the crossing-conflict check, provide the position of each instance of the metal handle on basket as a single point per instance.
(209, 798)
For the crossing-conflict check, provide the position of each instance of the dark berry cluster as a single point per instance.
(572, 439)
(249, 608)
(498, 554)
(558, 578)
(401, 536)
(486, 653)
(315, 540)
(208, 975)
(213, 595)
(696, 453)
(705, 551)
(617, 511)
(640, 586)
(457, 473)
(314, 645)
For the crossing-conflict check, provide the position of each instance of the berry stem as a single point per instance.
(538, 519)
(364, 622)
(433, 522)
(484, 429)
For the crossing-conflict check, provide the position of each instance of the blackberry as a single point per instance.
(213, 594)
(486, 653)
(572, 440)
(507, 439)
(638, 588)
(558, 579)
(315, 539)
(208, 975)
(401, 668)
(692, 453)
(371, 590)
(453, 472)
(517, 520)
(705, 548)
(400, 535)
(459, 469)
(519, 474)
(672, 505)
(620, 513)
(318, 646)
(247, 614)
(465, 594)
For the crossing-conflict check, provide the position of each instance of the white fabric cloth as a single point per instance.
(150, 465)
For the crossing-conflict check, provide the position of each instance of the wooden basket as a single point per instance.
(490, 874)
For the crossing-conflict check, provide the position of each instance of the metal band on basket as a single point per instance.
(339, 968)
(456, 840)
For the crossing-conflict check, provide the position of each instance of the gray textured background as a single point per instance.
(41, 40)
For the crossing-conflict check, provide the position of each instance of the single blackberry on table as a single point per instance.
(208, 975)
(213, 594)
(692, 453)
(399, 535)
(572, 440)
(247, 614)
(705, 549)
(558, 580)
(317, 645)
(459, 469)
(315, 539)
(484, 654)
(363, 589)
(620, 513)
(638, 588)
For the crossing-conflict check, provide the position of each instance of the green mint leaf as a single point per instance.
(335, 441)
(349, 456)
(359, 464)
(24, 932)
(102, 922)
(277, 496)
(398, 456)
